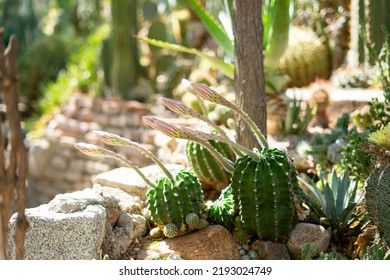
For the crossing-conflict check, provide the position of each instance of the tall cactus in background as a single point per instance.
(367, 17)
(123, 70)
(174, 202)
(264, 182)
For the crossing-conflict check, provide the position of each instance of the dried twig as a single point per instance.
(14, 170)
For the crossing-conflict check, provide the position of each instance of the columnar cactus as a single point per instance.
(264, 183)
(174, 202)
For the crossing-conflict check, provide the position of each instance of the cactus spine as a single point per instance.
(264, 183)
(174, 202)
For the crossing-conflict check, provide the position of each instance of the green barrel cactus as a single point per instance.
(264, 193)
(174, 202)
(177, 203)
(264, 183)
(206, 167)
(305, 59)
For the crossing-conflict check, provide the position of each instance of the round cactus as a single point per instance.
(170, 230)
(192, 219)
(202, 224)
(265, 193)
(172, 201)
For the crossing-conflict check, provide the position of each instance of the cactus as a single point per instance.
(264, 183)
(305, 59)
(222, 210)
(173, 201)
(264, 193)
(174, 204)
(296, 122)
(204, 165)
(377, 184)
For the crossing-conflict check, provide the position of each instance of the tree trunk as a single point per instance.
(124, 46)
(248, 73)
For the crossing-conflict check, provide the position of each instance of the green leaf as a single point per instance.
(216, 63)
(215, 29)
(277, 27)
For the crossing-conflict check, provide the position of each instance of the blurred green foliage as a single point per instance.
(40, 64)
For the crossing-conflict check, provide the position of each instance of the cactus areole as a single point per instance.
(265, 193)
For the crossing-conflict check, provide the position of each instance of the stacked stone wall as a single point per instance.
(57, 167)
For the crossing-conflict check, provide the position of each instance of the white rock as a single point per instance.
(62, 236)
(129, 181)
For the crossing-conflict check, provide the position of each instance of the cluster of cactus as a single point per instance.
(174, 202)
(264, 182)
(377, 184)
(305, 59)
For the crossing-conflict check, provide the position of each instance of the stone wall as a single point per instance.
(57, 167)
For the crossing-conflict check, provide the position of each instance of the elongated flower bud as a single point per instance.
(211, 95)
(96, 151)
(184, 110)
(116, 140)
(185, 133)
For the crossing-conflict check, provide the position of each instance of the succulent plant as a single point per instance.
(377, 184)
(305, 59)
(296, 122)
(333, 201)
(173, 202)
(221, 211)
(264, 183)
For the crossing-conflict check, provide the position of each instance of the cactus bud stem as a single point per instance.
(210, 95)
(93, 150)
(234, 145)
(115, 140)
(185, 133)
(184, 110)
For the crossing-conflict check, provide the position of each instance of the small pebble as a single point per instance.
(253, 254)
(156, 233)
(242, 252)
(245, 257)
(245, 247)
